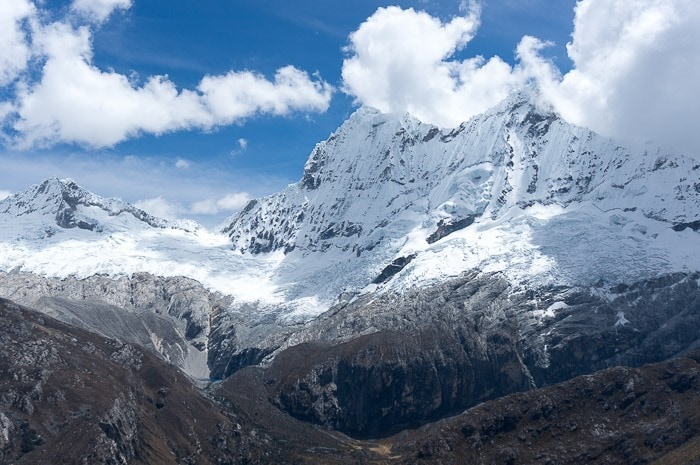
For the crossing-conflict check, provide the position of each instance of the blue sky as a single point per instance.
(264, 36)
(205, 166)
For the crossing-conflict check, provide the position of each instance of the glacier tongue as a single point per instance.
(389, 203)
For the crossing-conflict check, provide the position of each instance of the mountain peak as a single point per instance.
(386, 188)
(388, 201)
(64, 204)
(519, 102)
(50, 197)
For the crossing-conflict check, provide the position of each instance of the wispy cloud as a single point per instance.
(229, 203)
(74, 101)
(99, 10)
(160, 207)
(293, 13)
(242, 147)
(182, 164)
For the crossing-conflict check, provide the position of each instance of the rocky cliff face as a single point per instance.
(414, 358)
(169, 316)
(619, 415)
(378, 364)
(70, 396)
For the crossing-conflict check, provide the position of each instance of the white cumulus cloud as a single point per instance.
(240, 94)
(243, 143)
(4, 194)
(228, 203)
(402, 61)
(636, 70)
(73, 100)
(77, 102)
(635, 73)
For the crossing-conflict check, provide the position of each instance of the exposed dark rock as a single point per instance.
(532, 187)
(392, 268)
(352, 229)
(452, 134)
(430, 135)
(580, 337)
(330, 232)
(618, 416)
(445, 228)
(311, 178)
(132, 309)
(222, 368)
(538, 124)
(434, 352)
(66, 219)
(64, 399)
(249, 206)
(694, 225)
(383, 382)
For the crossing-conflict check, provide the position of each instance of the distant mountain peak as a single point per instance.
(67, 205)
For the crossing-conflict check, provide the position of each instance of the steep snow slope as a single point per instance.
(516, 190)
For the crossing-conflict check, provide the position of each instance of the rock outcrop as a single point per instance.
(169, 316)
(70, 396)
(411, 359)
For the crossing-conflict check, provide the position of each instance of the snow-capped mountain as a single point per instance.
(63, 204)
(387, 203)
(59, 229)
(392, 201)
(516, 218)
